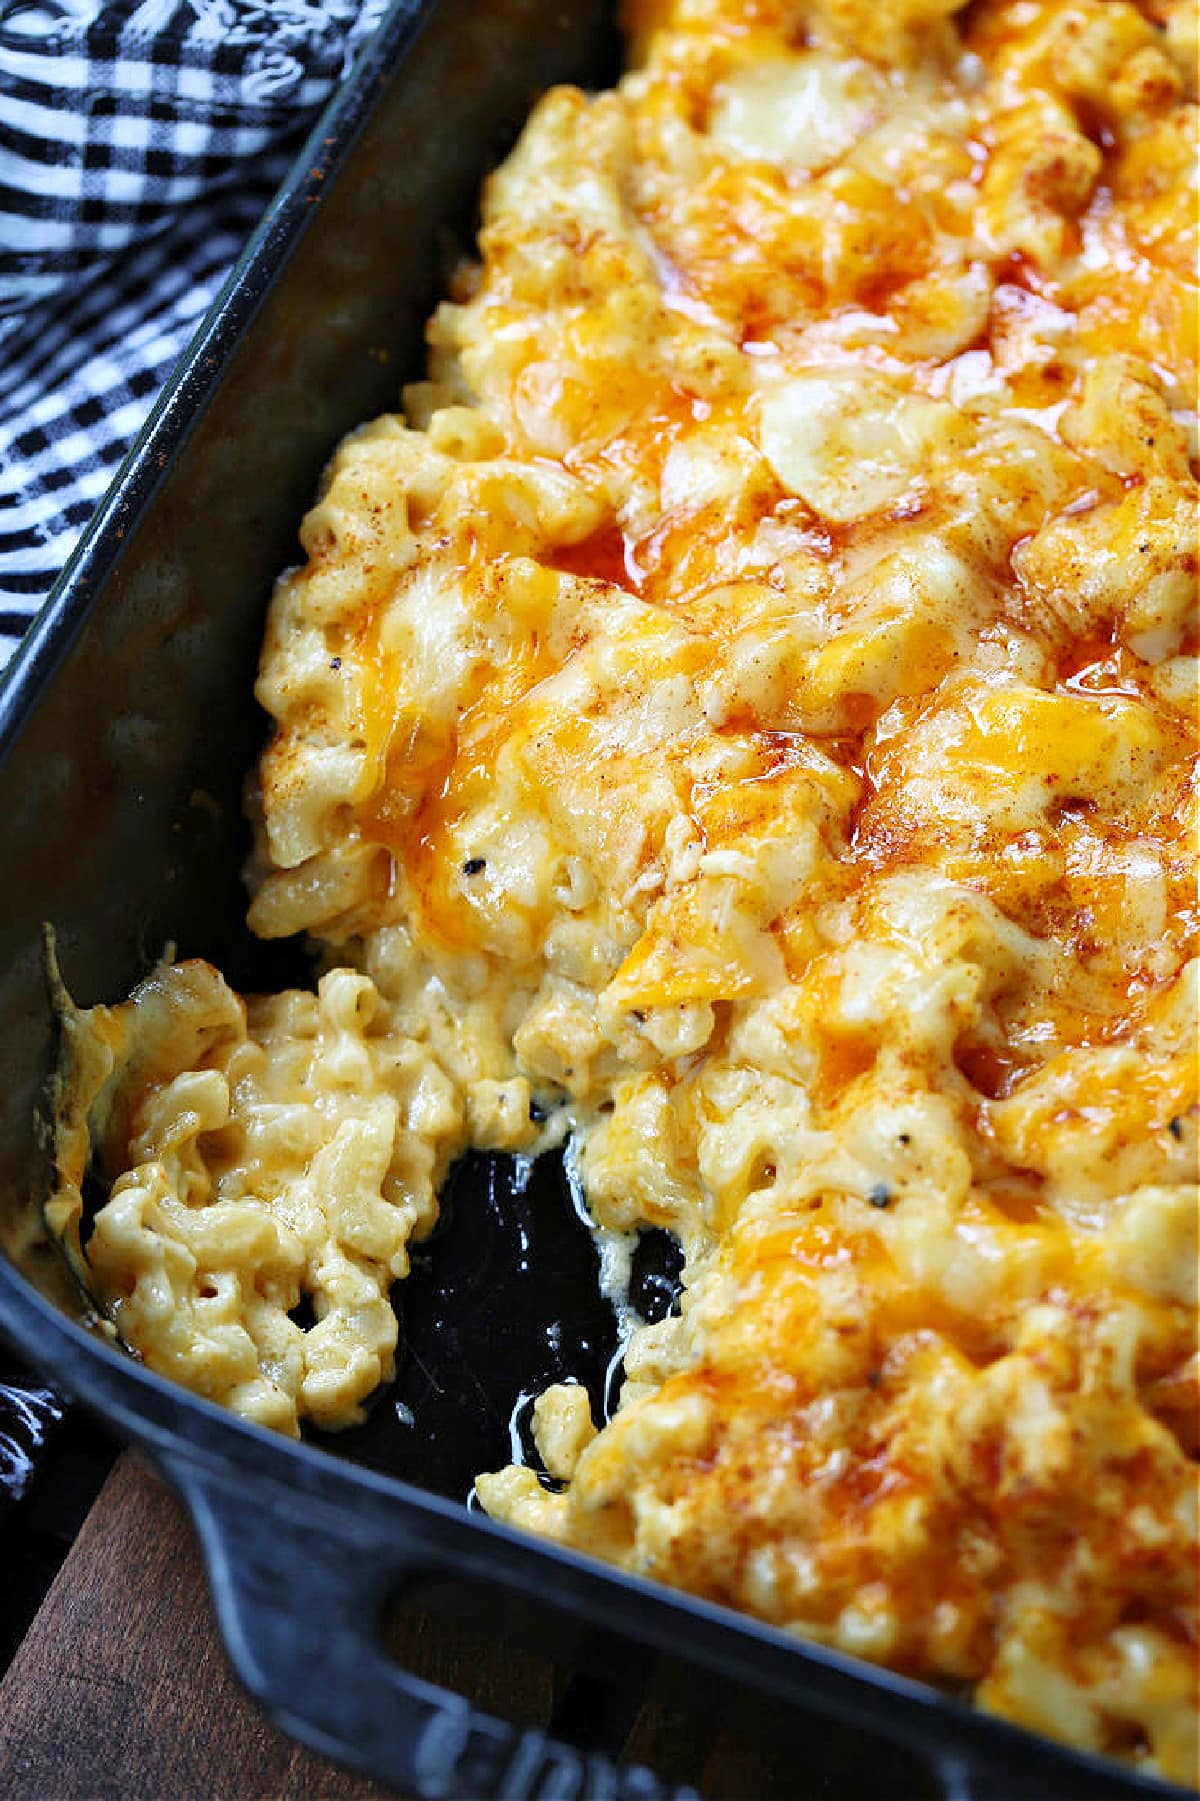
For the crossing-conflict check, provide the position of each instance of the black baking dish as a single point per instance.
(126, 731)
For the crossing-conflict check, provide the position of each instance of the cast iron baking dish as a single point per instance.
(126, 731)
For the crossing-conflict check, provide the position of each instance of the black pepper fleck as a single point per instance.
(335, 662)
(473, 865)
(880, 1195)
(1175, 1126)
(873, 1378)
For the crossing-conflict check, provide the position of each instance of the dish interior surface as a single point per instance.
(738, 723)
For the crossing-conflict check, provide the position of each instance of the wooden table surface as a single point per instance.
(121, 1691)
(121, 1687)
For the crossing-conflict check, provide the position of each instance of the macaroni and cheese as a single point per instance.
(742, 715)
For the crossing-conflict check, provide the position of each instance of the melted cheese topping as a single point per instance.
(747, 705)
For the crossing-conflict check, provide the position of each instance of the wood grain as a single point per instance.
(121, 1689)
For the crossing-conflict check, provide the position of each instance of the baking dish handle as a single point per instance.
(297, 1591)
(299, 1588)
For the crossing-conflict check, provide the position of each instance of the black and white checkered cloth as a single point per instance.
(140, 142)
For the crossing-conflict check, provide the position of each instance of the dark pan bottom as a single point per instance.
(502, 1300)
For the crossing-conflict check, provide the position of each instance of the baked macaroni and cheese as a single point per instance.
(740, 717)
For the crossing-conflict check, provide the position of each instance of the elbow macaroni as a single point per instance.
(747, 705)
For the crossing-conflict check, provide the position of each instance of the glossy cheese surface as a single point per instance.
(746, 705)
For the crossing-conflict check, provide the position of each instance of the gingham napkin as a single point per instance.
(140, 142)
